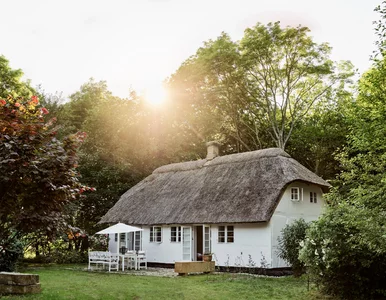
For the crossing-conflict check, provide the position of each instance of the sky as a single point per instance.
(137, 44)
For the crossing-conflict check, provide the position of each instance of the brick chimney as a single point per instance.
(213, 150)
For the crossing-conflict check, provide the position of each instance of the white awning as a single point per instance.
(119, 228)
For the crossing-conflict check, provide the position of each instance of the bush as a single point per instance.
(289, 244)
(11, 250)
(60, 251)
(68, 257)
(345, 252)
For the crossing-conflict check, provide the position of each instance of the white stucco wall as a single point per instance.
(164, 252)
(287, 211)
(249, 239)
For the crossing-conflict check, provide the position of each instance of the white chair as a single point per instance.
(130, 255)
(113, 261)
(141, 260)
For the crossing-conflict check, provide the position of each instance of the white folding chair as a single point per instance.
(141, 260)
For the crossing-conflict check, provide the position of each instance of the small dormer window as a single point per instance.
(295, 194)
(313, 197)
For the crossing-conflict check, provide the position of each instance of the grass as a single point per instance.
(64, 282)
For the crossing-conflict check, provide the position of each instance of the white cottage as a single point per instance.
(234, 206)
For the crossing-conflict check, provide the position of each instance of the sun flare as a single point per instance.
(155, 95)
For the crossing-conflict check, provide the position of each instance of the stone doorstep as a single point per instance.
(20, 289)
(18, 279)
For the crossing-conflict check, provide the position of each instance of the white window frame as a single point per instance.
(153, 234)
(177, 237)
(207, 238)
(226, 234)
(299, 193)
(313, 197)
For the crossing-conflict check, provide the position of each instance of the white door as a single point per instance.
(186, 243)
(207, 239)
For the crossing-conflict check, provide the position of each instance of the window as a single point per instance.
(175, 234)
(230, 234)
(137, 240)
(313, 197)
(295, 194)
(156, 234)
(122, 237)
(226, 234)
(116, 237)
(221, 234)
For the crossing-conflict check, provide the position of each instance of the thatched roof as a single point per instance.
(237, 188)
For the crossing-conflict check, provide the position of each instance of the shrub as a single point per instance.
(68, 257)
(289, 244)
(11, 249)
(345, 252)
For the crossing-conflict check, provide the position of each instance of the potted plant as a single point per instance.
(207, 256)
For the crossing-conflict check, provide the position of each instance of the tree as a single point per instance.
(38, 176)
(10, 81)
(262, 86)
(346, 249)
(127, 140)
(319, 135)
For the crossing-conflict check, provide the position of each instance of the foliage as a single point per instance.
(37, 171)
(10, 81)
(345, 252)
(346, 249)
(126, 141)
(289, 244)
(11, 250)
(320, 134)
(59, 256)
(255, 91)
(38, 175)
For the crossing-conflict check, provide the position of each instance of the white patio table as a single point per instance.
(128, 256)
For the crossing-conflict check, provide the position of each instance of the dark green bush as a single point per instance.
(60, 256)
(345, 252)
(68, 257)
(11, 250)
(289, 244)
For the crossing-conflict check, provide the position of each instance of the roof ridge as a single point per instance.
(220, 160)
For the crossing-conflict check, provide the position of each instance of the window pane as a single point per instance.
(294, 194)
(158, 237)
(151, 234)
(173, 234)
(230, 234)
(122, 237)
(179, 233)
(221, 234)
(207, 239)
(138, 236)
(315, 199)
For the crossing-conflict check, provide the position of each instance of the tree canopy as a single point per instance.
(37, 171)
(258, 89)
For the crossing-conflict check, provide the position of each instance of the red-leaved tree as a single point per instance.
(38, 176)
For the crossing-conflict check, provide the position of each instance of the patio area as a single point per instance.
(157, 272)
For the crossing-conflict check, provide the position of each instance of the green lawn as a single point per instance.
(64, 282)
